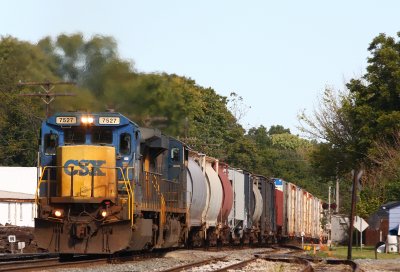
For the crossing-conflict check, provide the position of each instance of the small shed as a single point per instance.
(339, 229)
(381, 222)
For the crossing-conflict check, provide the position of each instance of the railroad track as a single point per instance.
(30, 265)
(225, 263)
(213, 264)
(76, 261)
(195, 264)
(337, 264)
(220, 264)
(310, 264)
(26, 256)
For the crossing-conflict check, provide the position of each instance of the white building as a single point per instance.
(17, 195)
(17, 209)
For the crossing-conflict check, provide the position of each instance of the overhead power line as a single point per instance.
(46, 93)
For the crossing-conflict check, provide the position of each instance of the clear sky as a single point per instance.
(277, 55)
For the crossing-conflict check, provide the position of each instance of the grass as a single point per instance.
(366, 253)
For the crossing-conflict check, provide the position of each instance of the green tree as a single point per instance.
(376, 96)
(349, 123)
(278, 129)
(20, 116)
(206, 121)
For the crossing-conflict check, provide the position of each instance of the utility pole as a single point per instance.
(329, 217)
(337, 187)
(47, 96)
(337, 194)
(356, 178)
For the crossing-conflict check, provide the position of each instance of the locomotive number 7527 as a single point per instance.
(109, 120)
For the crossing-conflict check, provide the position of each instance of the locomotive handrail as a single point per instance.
(153, 173)
(131, 201)
(39, 183)
(156, 185)
(127, 173)
(162, 199)
(48, 181)
(129, 190)
(131, 195)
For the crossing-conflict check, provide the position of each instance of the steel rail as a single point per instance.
(307, 262)
(290, 259)
(236, 265)
(191, 265)
(45, 263)
(354, 265)
(26, 256)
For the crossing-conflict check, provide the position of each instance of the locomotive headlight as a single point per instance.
(58, 213)
(104, 213)
(87, 120)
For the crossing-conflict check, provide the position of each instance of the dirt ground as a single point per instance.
(22, 234)
(370, 265)
(25, 234)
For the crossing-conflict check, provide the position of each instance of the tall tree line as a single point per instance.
(359, 127)
(175, 104)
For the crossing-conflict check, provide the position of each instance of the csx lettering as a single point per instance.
(83, 167)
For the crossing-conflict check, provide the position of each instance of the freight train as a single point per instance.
(108, 186)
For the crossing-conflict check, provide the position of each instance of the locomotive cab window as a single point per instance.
(74, 135)
(125, 144)
(102, 136)
(175, 154)
(50, 144)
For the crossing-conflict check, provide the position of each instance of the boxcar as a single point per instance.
(268, 217)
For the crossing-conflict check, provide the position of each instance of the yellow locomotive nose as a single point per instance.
(86, 171)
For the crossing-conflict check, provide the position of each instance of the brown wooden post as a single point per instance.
(356, 177)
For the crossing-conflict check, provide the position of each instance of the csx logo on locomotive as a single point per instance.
(84, 167)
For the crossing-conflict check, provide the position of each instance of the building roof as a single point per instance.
(382, 213)
(6, 195)
(390, 205)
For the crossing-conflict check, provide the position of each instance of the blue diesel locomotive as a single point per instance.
(106, 186)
